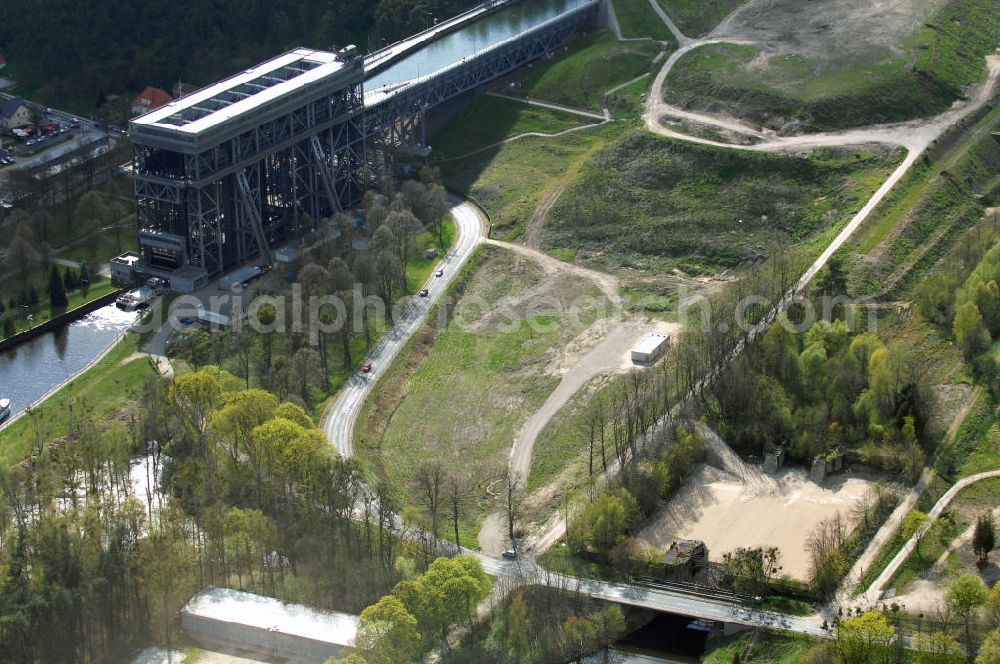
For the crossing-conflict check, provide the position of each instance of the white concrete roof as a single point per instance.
(243, 608)
(651, 343)
(327, 64)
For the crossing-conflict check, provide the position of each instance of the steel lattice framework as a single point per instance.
(217, 185)
(226, 173)
(395, 119)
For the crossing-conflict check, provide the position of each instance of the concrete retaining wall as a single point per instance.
(62, 319)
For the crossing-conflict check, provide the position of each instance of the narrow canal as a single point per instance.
(30, 370)
(471, 39)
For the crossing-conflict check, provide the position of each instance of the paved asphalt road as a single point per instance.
(340, 417)
(657, 599)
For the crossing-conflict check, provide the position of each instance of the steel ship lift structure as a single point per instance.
(226, 174)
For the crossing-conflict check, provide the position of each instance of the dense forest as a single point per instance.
(92, 566)
(71, 54)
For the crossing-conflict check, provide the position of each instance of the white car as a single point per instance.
(439, 273)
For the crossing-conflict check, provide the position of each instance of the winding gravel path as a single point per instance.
(874, 591)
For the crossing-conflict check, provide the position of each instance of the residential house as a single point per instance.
(150, 99)
(14, 113)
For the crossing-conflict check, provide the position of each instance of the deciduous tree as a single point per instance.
(387, 633)
(964, 595)
(864, 639)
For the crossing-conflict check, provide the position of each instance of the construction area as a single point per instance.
(728, 504)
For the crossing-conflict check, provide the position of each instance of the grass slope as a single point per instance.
(636, 18)
(655, 204)
(961, 513)
(594, 63)
(923, 217)
(512, 179)
(696, 18)
(564, 439)
(488, 120)
(935, 67)
(769, 648)
(976, 449)
(461, 394)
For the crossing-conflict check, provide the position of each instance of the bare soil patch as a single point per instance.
(726, 513)
(818, 30)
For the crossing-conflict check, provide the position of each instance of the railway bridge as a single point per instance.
(229, 172)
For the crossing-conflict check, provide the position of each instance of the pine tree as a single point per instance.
(69, 279)
(32, 295)
(8, 327)
(984, 537)
(84, 279)
(57, 293)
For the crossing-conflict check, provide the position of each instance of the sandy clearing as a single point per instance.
(717, 508)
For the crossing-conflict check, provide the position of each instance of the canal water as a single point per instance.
(666, 639)
(30, 370)
(470, 39)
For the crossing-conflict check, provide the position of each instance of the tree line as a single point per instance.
(246, 493)
(121, 47)
(358, 263)
(964, 628)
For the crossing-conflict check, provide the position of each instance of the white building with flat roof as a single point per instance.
(650, 349)
(266, 625)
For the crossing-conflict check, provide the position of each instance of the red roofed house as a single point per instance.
(150, 99)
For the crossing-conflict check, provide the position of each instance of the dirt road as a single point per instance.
(603, 358)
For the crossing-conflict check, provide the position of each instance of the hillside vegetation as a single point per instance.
(656, 204)
(792, 92)
(512, 180)
(922, 218)
(636, 18)
(595, 63)
(459, 395)
(488, 120)
(698, 17)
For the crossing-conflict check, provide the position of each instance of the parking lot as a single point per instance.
(54, 134)
(53, 126)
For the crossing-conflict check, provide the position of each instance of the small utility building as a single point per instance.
(684, 559)
(650, 349)
(265, 625)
